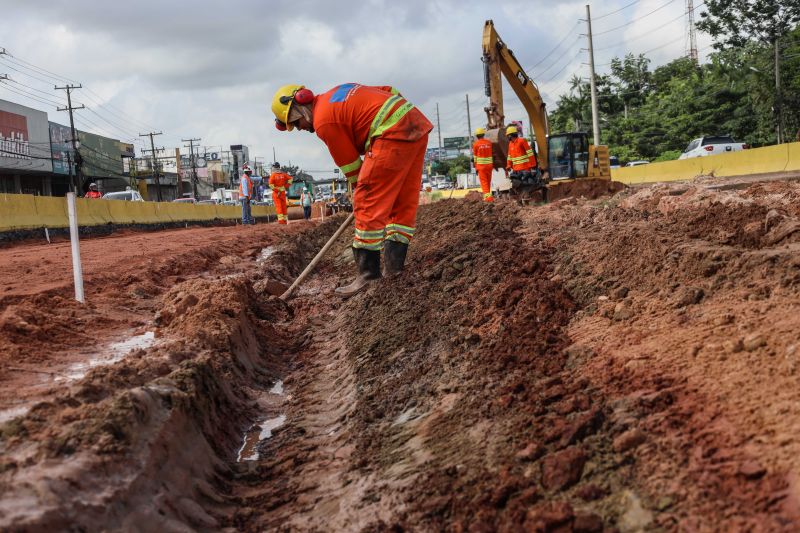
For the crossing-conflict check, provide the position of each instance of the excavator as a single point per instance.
(568, 164)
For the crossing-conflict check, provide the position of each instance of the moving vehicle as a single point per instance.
(563, 157)
(712, 145)
(129, 196)
(184, 201)
(637, 163)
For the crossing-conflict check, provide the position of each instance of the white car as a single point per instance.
(129, 196)
(713, 145)
(637, 163)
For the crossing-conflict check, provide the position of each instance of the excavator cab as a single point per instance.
(568, 155)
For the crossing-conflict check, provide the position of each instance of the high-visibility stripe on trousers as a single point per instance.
(485, 176)
(279, 199)
(386, 196)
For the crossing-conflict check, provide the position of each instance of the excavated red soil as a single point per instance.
(627, 363)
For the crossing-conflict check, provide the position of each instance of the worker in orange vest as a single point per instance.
(377, 123)
(279, 181)
(482, 160)
(93, 192)
(246, 194)
(521, 161)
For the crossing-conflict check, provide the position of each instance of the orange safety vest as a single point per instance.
(520, 155)
(245, 186)
(482, 154)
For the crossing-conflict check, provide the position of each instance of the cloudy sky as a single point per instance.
(208, 69)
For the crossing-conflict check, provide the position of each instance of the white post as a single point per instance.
(76, 249)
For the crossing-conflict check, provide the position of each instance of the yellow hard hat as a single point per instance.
(480, 131)
(282, 103)
(511, 129)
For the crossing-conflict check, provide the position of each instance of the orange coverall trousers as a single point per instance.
(279, 199)
(485, 176)
(386, 196)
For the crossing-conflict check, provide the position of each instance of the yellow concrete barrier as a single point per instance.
(765, 160)
(23, 211)
(18, 211)
(92, 212)
(51, 211)
(793, 160)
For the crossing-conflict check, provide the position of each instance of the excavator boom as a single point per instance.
(563, 157)
(499, 59)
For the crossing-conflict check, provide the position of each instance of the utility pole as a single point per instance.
(78, 186)
(691, 51)
(778, 95)
(274, 159)
(194, 163)
(155, 161)
(439, 131)
(595, 117)
(469, 122)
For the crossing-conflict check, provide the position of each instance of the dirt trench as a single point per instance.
(557, 368)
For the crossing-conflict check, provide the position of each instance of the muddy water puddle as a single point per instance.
(265, 254)
(262, 430)
(116, 352)
(109, 354)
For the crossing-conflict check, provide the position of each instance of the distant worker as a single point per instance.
(482, 160)
(246, 194)
(356, 120)
(521, 159)
(279, 181)
(93, 192)
(306, 199)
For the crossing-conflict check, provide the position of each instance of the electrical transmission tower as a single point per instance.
(691, 41)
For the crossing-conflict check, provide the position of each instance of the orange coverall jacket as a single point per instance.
(482, 154)
(350, 116)
(520, 155)
(279, 182)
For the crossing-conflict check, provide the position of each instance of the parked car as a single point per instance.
(129, 196)
(713, 145)
(184, 201)
(637, 163)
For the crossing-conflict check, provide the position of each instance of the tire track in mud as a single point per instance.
(443, 399)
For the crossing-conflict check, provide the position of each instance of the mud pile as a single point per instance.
(621, 364)
(146, 443)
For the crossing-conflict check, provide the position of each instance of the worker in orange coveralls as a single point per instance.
(521, 159)
(93, 192)
(279, 181)
(356, 120)
(482, 160)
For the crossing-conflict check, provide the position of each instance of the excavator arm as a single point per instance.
(497, 59)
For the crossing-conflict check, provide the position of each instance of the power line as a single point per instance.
(27, 95)
(530, 69)
(635, 20)
(617, 11)
(558, 60)
(648, 33)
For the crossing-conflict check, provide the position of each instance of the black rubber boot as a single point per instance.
(368, 263)
(394, 257)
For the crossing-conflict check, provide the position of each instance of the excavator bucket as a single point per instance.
(499, 146)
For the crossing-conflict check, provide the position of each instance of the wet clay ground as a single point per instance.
(627, 363)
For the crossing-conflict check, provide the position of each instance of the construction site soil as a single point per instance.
(627, 363)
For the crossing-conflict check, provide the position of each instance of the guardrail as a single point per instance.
(23, 212)
(766, 160)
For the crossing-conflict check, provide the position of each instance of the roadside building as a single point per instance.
(26, 164)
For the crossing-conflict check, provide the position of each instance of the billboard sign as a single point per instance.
(102, 157)
(455, 143)
(24, 138)
(61, 147)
